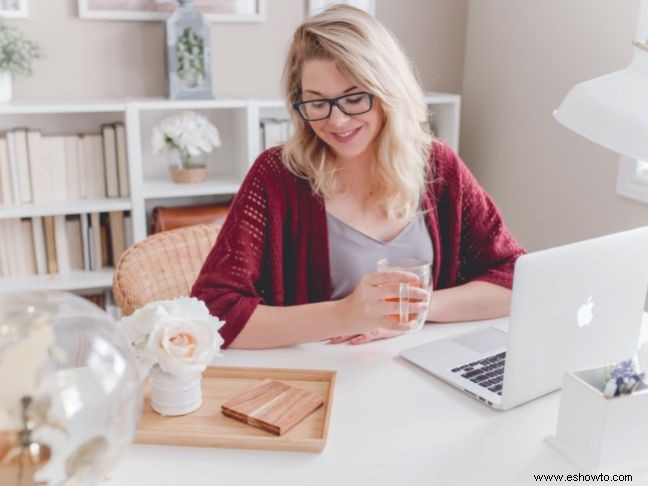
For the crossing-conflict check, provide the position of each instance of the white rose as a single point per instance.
(139, 326)
(642, 357)
(181, 345)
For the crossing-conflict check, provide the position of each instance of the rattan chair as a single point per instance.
(163, 266)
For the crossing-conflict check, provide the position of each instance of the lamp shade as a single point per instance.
(612, 110)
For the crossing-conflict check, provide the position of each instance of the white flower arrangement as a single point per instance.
(189, 133)
(178, 335)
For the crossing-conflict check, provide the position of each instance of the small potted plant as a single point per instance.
(187, 137)
(173, 342)
(16, 56)
(603, 418)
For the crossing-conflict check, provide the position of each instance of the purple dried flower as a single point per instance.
(626, 369)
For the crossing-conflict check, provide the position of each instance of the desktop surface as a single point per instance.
(391, 423)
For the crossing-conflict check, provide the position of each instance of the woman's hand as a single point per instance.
(372, 335)
(374, 304)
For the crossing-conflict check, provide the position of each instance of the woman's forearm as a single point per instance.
(273, 327)
(469, 302)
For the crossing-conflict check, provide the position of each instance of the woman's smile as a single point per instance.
(345, 136)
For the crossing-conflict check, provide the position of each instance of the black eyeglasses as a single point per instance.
(350, 104)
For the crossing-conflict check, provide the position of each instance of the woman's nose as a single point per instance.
(337, 117)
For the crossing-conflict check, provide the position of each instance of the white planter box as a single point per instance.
(598, 433)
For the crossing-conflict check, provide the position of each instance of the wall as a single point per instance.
(521, 59)
(88, 59)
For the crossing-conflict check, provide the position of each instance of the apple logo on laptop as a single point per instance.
(585, 313)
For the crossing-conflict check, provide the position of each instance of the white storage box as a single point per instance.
(599, 433)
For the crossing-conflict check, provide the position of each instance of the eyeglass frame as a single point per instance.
(334, 102)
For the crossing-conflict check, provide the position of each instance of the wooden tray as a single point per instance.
(208, 427)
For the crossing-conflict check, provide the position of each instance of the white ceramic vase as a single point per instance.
(174, 394)
(5, 87)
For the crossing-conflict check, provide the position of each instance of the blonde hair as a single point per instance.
(369, 55)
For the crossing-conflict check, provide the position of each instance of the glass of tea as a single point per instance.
(422, 269)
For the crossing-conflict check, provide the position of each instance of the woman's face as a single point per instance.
(349, 136)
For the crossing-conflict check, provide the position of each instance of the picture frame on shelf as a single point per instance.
(13, 9)
(159, 10)
(316, 6)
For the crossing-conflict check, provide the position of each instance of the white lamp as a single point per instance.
(612, 110)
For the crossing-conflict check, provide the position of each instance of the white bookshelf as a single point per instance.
(237, 120)
(83, 206)
(162, 188)
(73, 281)
(445, 113)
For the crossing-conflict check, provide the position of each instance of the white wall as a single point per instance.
(521, 59)
(108, 59)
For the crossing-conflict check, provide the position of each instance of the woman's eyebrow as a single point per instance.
(312, 91)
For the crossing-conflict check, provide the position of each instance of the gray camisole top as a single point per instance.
(353, 254)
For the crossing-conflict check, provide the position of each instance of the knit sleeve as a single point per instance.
(487, 249)
(228, 282)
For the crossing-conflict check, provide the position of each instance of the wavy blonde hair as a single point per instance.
(368, 54)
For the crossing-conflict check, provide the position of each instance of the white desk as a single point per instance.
(391, 424)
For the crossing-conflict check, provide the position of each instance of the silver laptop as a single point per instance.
(573, 306)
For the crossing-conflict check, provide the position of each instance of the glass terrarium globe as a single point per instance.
(70, 396)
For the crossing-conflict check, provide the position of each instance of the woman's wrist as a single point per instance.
(342, 322)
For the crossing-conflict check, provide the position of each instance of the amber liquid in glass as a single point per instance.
(412, 315)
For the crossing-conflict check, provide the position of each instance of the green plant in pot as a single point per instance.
(16, 56)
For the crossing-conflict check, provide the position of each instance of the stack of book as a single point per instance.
(40, 169)
(274, 131)
(60, 244)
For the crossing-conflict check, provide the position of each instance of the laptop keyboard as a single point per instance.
(487, 372)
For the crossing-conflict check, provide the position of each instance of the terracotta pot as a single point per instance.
(186, 176)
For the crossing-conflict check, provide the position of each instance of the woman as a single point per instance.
(361, 169)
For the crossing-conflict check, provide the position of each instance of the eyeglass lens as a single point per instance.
(353, 104)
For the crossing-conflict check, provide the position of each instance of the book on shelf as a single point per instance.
(59, 244)
(8, 259)
(274, 131)
(117, 235)
(129, 239)
(74, 241)
(105, 242)
(93, 173)
(48, 168)
(122, 159)
(85, 240)
(38, 167)
(62, 249)
(19, 159)
(94, 234)
(6, 176)
(50, 244)
(110, 160)
(72, 175)
(40, 251)
(28, 255)
(56, 168)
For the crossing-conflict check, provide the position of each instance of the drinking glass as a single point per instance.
(420, 268)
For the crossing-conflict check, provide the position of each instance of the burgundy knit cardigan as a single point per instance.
(273, 247)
